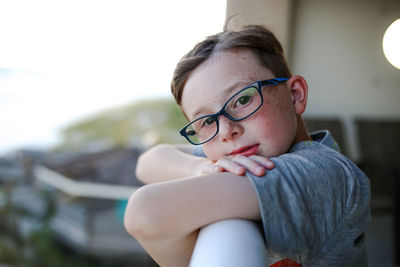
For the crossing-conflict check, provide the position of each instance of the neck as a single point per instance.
(301, 133)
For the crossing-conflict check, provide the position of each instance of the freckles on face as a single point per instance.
(275, 124)
(216, 79)
(212, 83)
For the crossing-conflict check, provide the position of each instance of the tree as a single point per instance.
(142, 124)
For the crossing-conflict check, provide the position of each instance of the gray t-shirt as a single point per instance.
(314, 205)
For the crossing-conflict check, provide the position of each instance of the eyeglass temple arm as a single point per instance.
(274, 81)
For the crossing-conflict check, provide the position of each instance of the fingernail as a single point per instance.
(239, 169)
(259, 169)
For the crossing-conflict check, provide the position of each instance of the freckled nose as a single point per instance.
(229, 129)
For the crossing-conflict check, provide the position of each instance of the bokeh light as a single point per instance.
(391, 44)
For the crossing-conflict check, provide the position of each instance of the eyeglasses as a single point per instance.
(240, 106)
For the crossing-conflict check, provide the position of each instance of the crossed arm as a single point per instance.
(184, 193)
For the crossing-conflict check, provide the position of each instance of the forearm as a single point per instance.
(168, 162)
(161, 216)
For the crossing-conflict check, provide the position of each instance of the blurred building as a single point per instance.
(87, 194)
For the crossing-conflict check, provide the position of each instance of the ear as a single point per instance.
(299, 91)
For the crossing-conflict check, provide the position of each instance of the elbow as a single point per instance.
(140, 219)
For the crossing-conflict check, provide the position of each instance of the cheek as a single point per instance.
(264, 121)
(277, 128)
(278, 115)
(212, 152)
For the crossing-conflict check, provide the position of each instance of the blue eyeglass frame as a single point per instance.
(274, 81)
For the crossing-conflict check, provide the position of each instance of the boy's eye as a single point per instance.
(243, 100)
(190, 132)
(245, 97)
(209, 121)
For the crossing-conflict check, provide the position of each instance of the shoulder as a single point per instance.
(319, 156)
(313, 190)
(320, 165)
(313, 159)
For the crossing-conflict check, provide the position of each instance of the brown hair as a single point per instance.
(254, 37)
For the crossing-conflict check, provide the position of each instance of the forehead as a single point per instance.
(211, 83)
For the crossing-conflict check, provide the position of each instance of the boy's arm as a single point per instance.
(165, 217)
(305, 199)
(170, 162)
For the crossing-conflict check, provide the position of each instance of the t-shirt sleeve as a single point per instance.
(198, 151)
(305, 199)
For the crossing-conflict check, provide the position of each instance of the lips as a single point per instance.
(246, 150)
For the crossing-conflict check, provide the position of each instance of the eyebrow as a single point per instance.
(229, 89)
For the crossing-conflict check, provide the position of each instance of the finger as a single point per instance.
(218, 168)
(231, 166)
(249, 164)
(266, 162)
(210, 168)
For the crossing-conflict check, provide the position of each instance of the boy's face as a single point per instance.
(269, 132)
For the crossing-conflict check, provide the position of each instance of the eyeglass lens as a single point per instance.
(239, 106)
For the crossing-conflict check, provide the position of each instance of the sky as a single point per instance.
(61, 61)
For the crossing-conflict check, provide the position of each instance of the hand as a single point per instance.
(239, 164)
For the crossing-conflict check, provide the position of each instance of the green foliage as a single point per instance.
(141, 123)
(48, 252)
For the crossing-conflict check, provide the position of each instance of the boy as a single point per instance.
(261, 164)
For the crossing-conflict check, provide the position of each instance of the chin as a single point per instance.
(270, 153)
(213, 156)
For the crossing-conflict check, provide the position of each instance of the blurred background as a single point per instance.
(84, 89)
